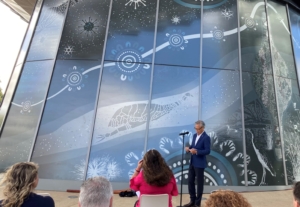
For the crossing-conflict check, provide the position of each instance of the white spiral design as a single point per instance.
(26, 106)
(129, 61)
(74, 79)
(218, 34)
(176, 40)
(250, 23)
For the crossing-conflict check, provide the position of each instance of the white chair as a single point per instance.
(160, 200)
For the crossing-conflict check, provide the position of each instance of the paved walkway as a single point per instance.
(257, 199)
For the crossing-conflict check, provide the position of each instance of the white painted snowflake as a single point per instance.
(136, 3)
(227, 14)
(69, 50)
(175, 20)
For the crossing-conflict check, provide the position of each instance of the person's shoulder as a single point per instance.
(47, 201)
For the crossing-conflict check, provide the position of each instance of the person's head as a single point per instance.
(96, 192)
(199, 126)
(155, 170)
(226, 198)
(19, 180)
(296, 193)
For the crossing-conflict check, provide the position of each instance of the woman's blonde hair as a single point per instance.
(19, 181)
(226, 198)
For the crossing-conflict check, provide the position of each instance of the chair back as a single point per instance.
(160, 200)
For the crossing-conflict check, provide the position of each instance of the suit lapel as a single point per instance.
(200, 139)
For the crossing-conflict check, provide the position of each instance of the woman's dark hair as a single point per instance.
(155, 170)
(296, 192)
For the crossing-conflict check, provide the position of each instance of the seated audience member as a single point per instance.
(153, 176)
(96, 192)
(226, 198)
(296, 193)
(20, 180)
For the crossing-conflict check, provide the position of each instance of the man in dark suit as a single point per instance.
(199, 149)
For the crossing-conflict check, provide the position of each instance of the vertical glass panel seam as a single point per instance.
(242, 92)
(6, 102)
(46, 95)
(275, 87)
(201, 54)
(151, 79)
(98, 93)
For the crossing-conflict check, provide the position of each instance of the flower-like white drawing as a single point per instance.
(175, 19)
(129, 61)
(74, 79)
(227, 14)
(251, 23)
(136, 3)
(218, 34)
(68, 50)
(26, 106)
(176, 40)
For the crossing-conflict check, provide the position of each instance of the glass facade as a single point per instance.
(105, 81)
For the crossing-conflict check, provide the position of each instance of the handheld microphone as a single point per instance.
(184, 133)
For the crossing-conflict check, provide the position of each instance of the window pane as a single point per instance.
(23, 117)
(48, 31)
(120, 125)
(178, 34)
(174, 109)
(221, 111)
(67, 121)
(220, 37)
(85, 29)
(131, 31)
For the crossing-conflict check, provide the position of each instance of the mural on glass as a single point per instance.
(286, 79)
(131, 34)
(48, 30)
(292, 117)
(174, 109)
(260, 109)
(220, 35)
(20, 127)
(178, 33)
(221, 110)
(67, 121)
(120, 121)
(84, 30)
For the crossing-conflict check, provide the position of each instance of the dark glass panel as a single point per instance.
(62, 143)
(255, 47)
(282, 52)
(48, 30)
(22, 121)
(178, 34)
(85, 28)
(119, 134)
(131, 31)
(220, 36)
(263, 143)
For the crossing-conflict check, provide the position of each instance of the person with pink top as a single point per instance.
(153, 176)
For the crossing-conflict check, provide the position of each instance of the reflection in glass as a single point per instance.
(178, 34)
(65, 129)
(220, 37)
(174, 109)
(221, 111)
(48, 30)
(255, 47)
(84, 31)
(131, 31)
(22, 120)
(120, 121)
(263, 143)
(281, 45)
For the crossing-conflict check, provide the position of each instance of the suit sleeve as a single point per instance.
(191, 146)
(206, 150)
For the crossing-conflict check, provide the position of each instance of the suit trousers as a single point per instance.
(199, 174)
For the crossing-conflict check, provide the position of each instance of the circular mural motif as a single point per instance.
(208, 4)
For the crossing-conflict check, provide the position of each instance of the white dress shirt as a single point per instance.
(197, 138)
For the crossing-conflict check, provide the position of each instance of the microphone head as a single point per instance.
(184, 133)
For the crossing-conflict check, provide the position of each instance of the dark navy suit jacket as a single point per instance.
(203, 148)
